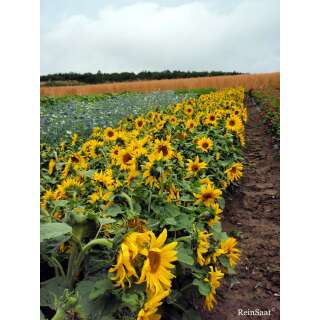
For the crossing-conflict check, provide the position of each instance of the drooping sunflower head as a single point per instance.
(156, 268)
(205, 144)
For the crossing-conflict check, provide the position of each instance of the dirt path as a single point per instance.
(254, 211)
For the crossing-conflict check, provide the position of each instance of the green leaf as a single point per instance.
(184, 257)
(132, 300)
(170, 221)
(53, 234)
(99, 288)
(51, 291)
(60, 203)
(224, 261)
(221, 203)
(203, 287)
(106, 220)
(98, 309)
(113, 211)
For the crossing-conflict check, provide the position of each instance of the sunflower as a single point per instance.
(205, 144)
(110, 134)
(202, 247)
(214, 280)
(78, 161)
(69, 185)
(163, 149)
(191, 124)
(74, 139)
(211, 119)
(140, 122)
(158, 262)
(66, 169)
(217, 217)
(173, 120)
(234, 123)
(228, 247)
(129, 249)
(188, 110)
(174, 194)
(114, 153)
(194, 166)
(148, 312)
(126, 159)
(105, 178)
(208, 195)
(151, 174)
(235, 172)
(52, 164)
(49, 195)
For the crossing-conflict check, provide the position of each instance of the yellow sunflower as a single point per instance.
(52, 164)
(205, 144)
(228, 247)
(158, 262)
(74, 139)
(191, 124)
(148, 312)
(208, 195)
(235, 172)
(188, 110)
(214, 280)
(140, 122)
(202, 247)
(233, 123)
(194, 166)
(110, 134)
(129, 249)
(173, 120)
(126, 159)
(163, 149)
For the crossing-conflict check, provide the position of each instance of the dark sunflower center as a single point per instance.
(236, 112)
(212, 118)
(110, 134)
(207, 196)
(232, 123)
(155, 260)
(140, 123)
(164, 150)
(195, 167)
(126, 158)
(205, 145)
(75, 159)
(234, 170)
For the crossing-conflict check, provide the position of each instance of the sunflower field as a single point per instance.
(131, 216)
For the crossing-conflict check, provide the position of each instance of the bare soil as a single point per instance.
(254, 210)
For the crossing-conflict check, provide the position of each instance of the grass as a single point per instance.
(254, 81)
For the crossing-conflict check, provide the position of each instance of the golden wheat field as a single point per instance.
(252, 81)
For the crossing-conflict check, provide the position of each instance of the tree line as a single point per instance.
(100, 77)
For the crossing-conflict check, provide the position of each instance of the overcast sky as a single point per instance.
(128, 35)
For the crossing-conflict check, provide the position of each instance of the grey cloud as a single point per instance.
(189, 35)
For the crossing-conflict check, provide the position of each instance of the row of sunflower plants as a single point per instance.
(131, 217)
